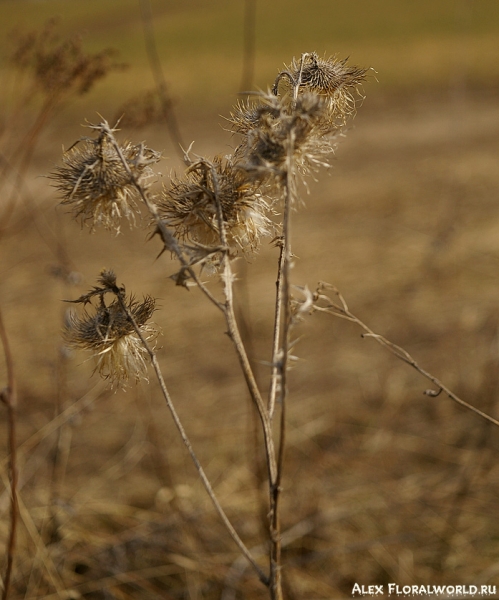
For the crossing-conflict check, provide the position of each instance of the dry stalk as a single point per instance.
(9, 398)
(159, 78)
(228, 279)
(274, 469)
(234, 333)
(206, 483)
(276, 344)
(342, 311)
(220, 208)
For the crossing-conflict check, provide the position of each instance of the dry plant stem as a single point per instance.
(187, 443)
(282, 75)
(298, 82)
(344, 313)
(235, 336)
(249, 45)
(285, 263)
(27, 147)
(277, 331)
(274, 584)
(159, 78)
(9, 398)
(168, 239)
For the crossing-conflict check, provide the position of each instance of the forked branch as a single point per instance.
(204, 479)
(322, 303)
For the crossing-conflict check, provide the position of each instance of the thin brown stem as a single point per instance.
(275, 558)
(9, 397)
(283, 75)
(178, 423)
(341, 310)
(235, 336)
(249, 45)
(167, 237)
(298, 82)
(276, 343)
(159, 78)
(228, 310)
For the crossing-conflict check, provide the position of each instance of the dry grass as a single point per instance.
(388, 485)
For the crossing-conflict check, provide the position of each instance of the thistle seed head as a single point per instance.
(109, 334)
(277, 130)
(190, 206)
(95, 183)
(332, 78)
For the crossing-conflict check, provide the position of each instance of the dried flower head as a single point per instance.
(60, 65)
(97, 185)
(109, 334)
(331, 78)
(276, 130)
(190, 206)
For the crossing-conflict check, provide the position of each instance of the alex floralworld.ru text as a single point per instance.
(392, 589)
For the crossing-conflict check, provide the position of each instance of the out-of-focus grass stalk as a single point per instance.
(9, 398)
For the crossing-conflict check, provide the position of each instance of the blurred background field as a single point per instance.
(382, 483)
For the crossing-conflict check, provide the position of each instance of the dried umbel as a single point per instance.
(108, 332)
(97, 185)
(190, 206)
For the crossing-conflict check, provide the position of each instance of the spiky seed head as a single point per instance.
(300, 130)
(95, 183)
(109, 334)
(332, 78)
(190, 206)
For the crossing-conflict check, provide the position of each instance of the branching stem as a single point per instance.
(178, 423)
(228, 311)
(167, 237)
(342, 311)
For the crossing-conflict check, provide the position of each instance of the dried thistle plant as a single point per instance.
(94, 182)
(108, 332)
(300, 131)
(218, 208)
(300, 125)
